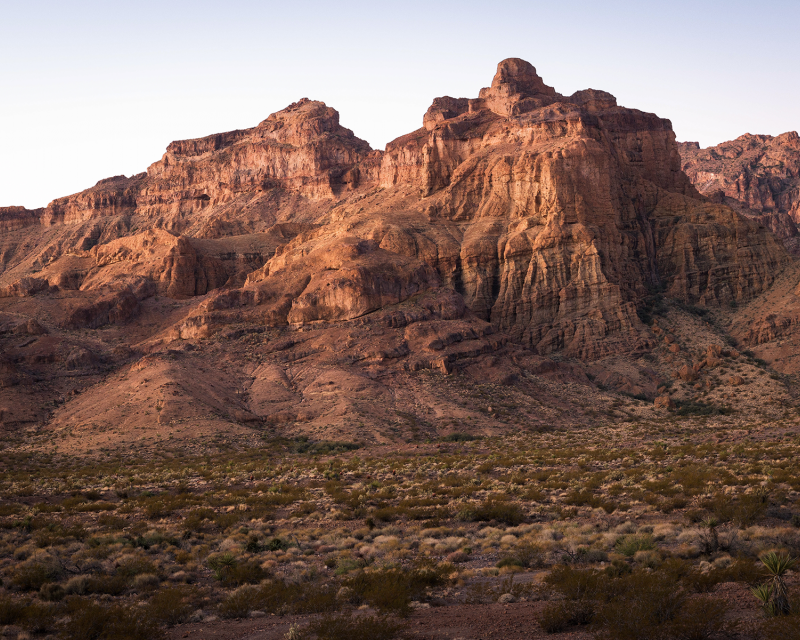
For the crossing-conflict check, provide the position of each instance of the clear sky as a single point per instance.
(91, 89)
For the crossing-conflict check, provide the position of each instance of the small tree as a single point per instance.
(774, 595)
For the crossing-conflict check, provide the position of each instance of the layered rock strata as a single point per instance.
(551, 215)
(757, 175)
(519, 224)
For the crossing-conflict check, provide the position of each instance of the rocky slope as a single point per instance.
(757, 175)
(290, 275)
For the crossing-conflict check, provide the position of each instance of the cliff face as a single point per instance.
(551, 215)
(300, 151)
(567, 210)
(757, 175)
(521, 222)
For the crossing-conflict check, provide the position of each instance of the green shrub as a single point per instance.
(783, 628)
(574, 584)
(741, 570)
(90, 621)
(617, 568)
(110, 585)
(584, 497)
(134, 566)
(39, 617)
(459, 437)
(11, 610)
(387, 590)
(466, 513)
(525, 555)
(112, 522)
(639, 606)
(745, 510)
(500, 510)
(393, 589)
(277, 544)
(701, 581)
(701, 619)
(508, 561)
(198, 520)
(324, 447)
(52, 592)
(629, 545)
(229, 571)
(555, 617)
(279, 598)
(353, 627)
(702, 409)
(609, 506)
(145, 582)
(246, 573)
(580, 589)
(172, 606)
(34, 574)
(239, 603)
(559, 616)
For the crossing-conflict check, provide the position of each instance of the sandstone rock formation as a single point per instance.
(757, 175)
(512, 227)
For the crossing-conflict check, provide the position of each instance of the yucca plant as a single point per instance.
(774, 595)
(222, 565)
(764, 593)
(709, 538)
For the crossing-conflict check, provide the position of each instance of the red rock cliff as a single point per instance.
(758, 175)
(551, 216)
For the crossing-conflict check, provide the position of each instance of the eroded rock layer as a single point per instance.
(512, 226)
(757, 175)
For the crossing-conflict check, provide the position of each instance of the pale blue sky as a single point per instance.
(91, 89)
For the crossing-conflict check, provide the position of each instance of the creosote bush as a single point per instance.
(393, 589)
(173, 605)
(497, 509)
(630, 545)
(354, 627)
(640, 605)
(279, 598)
(91, 621)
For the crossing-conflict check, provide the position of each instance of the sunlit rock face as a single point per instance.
(521, 220)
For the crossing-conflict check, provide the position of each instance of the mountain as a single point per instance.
(757, 175)
(290, 279)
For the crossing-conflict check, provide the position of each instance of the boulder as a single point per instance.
(664, 402)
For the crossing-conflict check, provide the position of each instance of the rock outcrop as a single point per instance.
(508, 228)
(757, 175)
(551, 215)
(568, 209)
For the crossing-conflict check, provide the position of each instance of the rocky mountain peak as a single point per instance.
(514, 229)
(516, 88)
(517, 76)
